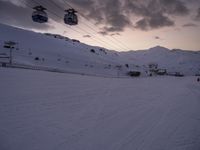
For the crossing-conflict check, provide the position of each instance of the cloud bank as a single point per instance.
(112, 16)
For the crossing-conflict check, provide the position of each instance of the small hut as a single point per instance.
(134, 73)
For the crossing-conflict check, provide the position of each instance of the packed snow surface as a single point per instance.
(53, 111)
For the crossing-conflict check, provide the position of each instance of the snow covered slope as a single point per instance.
(50, 111)
(187, 62)
(37, 49)
(58, 53)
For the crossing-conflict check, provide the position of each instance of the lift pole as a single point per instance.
(11, 45)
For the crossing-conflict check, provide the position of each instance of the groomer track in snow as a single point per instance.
(52, 111)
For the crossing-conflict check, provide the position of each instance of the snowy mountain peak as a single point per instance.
(61, 53)
(158, 48)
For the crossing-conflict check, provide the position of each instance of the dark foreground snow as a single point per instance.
(50, 111)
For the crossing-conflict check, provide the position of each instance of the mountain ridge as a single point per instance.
(71, 55)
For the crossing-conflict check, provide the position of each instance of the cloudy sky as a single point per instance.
(115, 24)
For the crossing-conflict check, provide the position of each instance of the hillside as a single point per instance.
(45, 50)
(185, 61)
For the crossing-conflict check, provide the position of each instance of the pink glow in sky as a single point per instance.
(115, 24)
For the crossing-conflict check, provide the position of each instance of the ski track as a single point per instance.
(42, 110)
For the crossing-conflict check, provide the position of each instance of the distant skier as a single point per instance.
(198, 79)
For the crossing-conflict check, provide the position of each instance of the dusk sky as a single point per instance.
(115, 24)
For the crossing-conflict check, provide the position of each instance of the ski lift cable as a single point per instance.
(78, 27)
(117, 41)
(65, 26)
(114, 42)
(85, 30)
(55, 15)
(59, 18)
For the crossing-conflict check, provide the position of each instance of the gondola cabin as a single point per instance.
(70, 17)
(39, 15)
